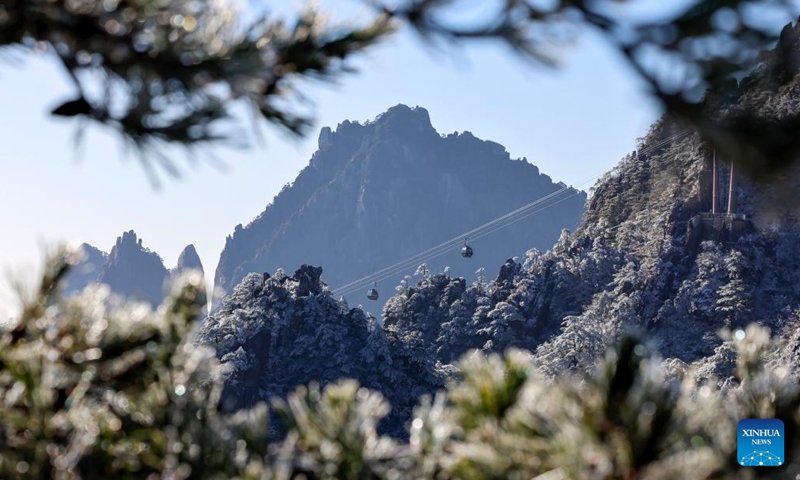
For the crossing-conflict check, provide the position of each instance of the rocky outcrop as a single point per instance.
(189, 260)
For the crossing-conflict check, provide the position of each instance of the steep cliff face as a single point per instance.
(378, 193)
(130, 270)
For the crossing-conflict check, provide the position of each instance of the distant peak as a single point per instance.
(129, 238)
(189, 259)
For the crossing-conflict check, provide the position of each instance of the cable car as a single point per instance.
(466, 250)
(372, 294)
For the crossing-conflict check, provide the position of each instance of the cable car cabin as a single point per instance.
(466, 251)
(372, 294)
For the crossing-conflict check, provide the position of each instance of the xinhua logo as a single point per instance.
(760, 442)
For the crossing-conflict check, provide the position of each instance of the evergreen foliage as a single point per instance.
(92, 387)
(172, 68)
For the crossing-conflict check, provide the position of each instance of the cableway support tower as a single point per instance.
(715, 222)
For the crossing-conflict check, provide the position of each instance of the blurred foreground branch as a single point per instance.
(167, 71)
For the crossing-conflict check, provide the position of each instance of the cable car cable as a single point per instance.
(479, 232)
(457, 239)
(430, 257)
(434, 252)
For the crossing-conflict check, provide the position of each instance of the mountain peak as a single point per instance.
(86, 270)
(324, 138)
(129, 238)
(189, 259)
(404, 117)
(402, 110)
(386, 189)
(134, 271)
(399, 119)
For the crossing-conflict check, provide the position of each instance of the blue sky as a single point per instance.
(573, 123)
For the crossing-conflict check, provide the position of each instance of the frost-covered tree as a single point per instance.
(94, 387)
(734, 296)
(421, 271)
(480, 277)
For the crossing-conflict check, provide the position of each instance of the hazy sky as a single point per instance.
(573, 123)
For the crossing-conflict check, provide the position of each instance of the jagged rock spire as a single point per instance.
(189, 259)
